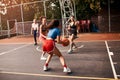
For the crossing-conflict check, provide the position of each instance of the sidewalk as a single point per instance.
(98, 36)
(81, 37)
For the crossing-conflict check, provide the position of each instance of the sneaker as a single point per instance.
(43, 58)
(77, 47)
(70, 51)
(66, 70)
(45, 68)
(74, 47)
(35, 44)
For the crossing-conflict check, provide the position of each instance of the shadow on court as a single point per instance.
(91, 61)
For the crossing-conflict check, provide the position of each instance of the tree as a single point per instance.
(53, 10)
(84, 8)
(87, 8)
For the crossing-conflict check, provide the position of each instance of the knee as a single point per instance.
(51, 54)
(61, 57)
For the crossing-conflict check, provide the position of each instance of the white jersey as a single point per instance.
(35, 26)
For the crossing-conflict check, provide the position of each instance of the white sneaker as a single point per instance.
(70, 51)
(66, 70)
(45, 68)
(74, 48)
(43, 58)
(78, 47)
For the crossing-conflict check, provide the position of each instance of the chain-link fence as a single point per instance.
(24, 14)
(21, 15)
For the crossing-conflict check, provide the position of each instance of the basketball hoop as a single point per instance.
(3, 9)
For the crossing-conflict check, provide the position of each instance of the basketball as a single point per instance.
(65, 42)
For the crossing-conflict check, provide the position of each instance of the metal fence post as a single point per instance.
(22, 17)
(8, 29)
(109, 22)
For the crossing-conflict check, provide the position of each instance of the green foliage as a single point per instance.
(55, 11)
(84, 8)
(38, 9)
(87, 8)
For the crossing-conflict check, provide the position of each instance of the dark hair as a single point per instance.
(72, 16)
(53, 24)
(42, 18)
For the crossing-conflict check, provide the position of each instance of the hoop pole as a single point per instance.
(62, 17)
(16, 27)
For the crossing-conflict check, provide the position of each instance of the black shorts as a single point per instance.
(73, 31)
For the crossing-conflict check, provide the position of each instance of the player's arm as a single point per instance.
(58, 40)
(40, 29)
(41, 32)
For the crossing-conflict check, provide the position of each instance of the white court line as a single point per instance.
(2, 53)
(118, 75)
(55, 76)
(79, 47)
(115, 62)
(111, 61)
(37, 48)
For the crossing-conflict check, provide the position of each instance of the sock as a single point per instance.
(65, 66)
(46, 64)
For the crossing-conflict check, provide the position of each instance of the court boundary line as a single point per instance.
(37, 48)
(5, 52)
(111, 61)
(55, 76)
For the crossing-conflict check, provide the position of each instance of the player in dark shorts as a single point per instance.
(72, 28)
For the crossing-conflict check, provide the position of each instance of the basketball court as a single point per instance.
(93, 60)
(20, 59)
